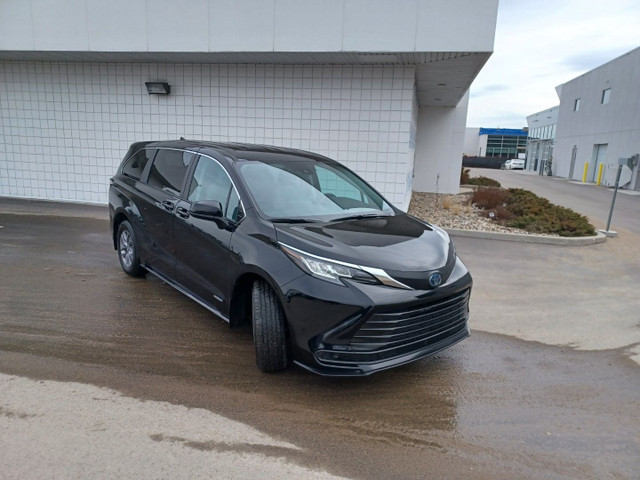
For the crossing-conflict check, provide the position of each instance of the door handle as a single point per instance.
(182, 212)
(168, 205)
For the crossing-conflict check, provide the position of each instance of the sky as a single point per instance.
(541, 44)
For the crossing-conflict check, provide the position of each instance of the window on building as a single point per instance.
(506, 146)
(606, 94)
(576, 105)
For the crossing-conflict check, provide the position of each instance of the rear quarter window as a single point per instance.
(135, 165)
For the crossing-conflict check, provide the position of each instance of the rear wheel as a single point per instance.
(128, 251)
(269, 329)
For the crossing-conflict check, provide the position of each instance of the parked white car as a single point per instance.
(513, 164)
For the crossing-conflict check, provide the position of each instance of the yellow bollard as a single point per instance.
(600, 168)
(584, 175)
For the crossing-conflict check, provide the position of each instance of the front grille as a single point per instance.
(387, 329)
(394, 333)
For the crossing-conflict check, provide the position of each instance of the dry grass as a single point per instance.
(447, 203)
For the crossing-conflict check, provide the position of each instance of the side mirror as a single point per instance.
(206, 210)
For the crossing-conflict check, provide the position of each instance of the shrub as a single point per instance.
(523, 209)
(489, 198)
(501, 213)
(483, 182)
(537, 214)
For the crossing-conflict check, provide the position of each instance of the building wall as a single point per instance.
(616, 124)
(471, 146)
(439, 145)
(65, 126)
(72, 84)
(541, 140)
(482, 144)
(248, 25)
(413, 132)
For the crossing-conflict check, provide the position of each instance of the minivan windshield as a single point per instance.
(308, 190)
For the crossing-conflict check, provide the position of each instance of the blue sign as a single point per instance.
(513, 132)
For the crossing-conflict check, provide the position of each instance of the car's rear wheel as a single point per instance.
(128, 251)
(269, 328)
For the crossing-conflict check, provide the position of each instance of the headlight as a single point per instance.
(325, 269)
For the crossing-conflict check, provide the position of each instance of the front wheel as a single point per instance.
(128, 251)
(269, 329)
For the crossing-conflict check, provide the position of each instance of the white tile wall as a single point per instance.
(413, 131)
(65, 126)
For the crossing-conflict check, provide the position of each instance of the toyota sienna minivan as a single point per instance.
(330, 275)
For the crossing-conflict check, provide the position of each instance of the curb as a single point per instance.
(540, 239)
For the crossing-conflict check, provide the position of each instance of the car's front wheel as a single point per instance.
(128, 251)
(269, 328)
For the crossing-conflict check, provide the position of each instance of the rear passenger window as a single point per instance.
(135, 165)
(169, 169)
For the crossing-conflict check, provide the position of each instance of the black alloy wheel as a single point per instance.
(128, 251)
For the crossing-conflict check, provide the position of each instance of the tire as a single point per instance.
(269, 329)
(128, 251)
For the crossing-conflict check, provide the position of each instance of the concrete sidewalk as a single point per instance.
(71, 430)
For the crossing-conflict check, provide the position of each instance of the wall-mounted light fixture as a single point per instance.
(158, 88)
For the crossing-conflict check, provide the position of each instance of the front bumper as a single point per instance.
(361, 329)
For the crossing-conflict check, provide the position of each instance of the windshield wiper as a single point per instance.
(360, 217)
(292, 220)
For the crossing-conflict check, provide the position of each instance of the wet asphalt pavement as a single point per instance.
(492, 407)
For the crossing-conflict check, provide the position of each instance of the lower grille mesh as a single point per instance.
(393, 328)
(385, 335)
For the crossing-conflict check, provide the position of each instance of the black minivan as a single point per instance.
(329, 274)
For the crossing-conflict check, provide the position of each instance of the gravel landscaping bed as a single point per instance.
(455, 211)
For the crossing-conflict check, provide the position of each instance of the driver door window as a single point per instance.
(212, 183)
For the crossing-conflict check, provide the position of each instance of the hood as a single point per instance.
(397, 243)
